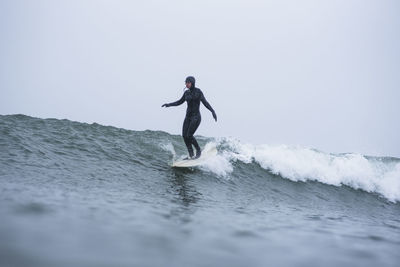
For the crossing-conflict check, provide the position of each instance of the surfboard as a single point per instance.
(206, 155)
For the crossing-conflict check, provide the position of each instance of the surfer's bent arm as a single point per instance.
(176, 103)
(208, 106)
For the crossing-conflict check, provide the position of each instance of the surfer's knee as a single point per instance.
(187, 136)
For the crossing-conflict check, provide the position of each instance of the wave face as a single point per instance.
(90, 175)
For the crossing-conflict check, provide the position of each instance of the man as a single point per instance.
(192, 96)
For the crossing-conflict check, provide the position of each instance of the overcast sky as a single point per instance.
(321, 74)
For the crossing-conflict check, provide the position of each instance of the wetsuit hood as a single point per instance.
(192, 80)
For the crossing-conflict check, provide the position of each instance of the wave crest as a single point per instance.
(371, 174)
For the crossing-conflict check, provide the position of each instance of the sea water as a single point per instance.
(77, 194)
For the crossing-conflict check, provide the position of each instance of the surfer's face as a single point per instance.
(188, 84)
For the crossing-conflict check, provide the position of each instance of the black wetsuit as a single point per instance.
(192, 96)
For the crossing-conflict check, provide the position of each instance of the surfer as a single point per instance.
(192, 96)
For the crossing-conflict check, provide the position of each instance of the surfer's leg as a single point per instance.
(188, 141)
(194, 124)
(196, 145)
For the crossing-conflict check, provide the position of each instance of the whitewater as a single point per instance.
(78, 194)
(379, 175)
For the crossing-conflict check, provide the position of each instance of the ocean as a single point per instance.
(78, 194)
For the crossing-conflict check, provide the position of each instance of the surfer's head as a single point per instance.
(190, 82)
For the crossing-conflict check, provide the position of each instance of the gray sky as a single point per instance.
(322, 74)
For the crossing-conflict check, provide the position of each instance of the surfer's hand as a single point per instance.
(165, 105)
(215, 116)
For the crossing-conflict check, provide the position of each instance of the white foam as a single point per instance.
(303, 164)
(218, 164)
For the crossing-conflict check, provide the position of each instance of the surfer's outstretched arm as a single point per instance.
(176, 103)
(208, 106)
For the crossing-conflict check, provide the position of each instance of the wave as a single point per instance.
(300, 164)
(50, 143)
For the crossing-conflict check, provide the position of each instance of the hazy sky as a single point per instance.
(321, 74)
